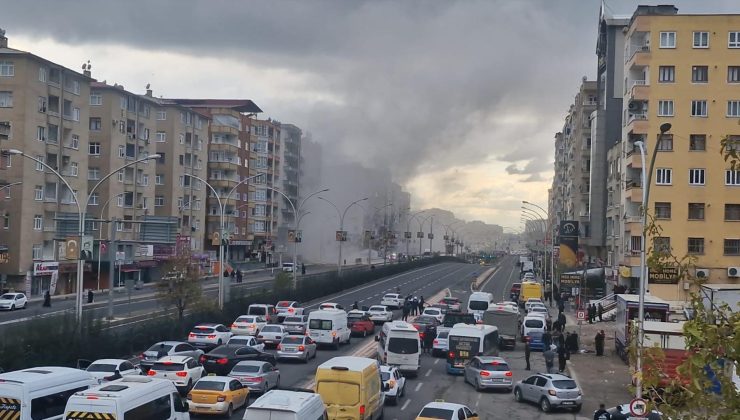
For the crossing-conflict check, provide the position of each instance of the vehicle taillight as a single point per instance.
(202, 359)
(436, 342)
(553, 393)
(142, 356)
(190, 396)
(279, 347)
(233, 325)
(221, 398)
(451, 355)
(151, 372)
(291, 310)
(362, 410)
(212, 336)
(485, 373)
(181, 374)
(191, 335)
(255, 379)
(222, 361)
(301, 348)
(509, 374)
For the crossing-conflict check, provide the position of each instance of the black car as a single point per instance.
(452, 318)
(223, 358)
(426, 325)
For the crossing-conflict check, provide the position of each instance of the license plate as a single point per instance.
(497, 380)
(568, 402)
(290, 349)
(211, 374)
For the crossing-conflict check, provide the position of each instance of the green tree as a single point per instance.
(180, 287)
(283, 283)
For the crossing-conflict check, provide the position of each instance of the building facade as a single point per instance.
(265, 205)
(290, 169)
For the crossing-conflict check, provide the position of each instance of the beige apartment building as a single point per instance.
(265, 204)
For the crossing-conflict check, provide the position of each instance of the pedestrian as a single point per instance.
(239, 276)
(561, 321)
(549, 355)
(398, 290)
(429, 337)
(561, 306)
(90, 296)
(355, 306)
(556, 326)
(233, 275)
(47, 299)
(527, 350)
(563, 356)
(619, 415)
(421, 305)
(590, 314)
(303, 269)
(406, 309)
(560, 341)
(600, 310)
(414, 306)
(546, 339)
(599, 342)
(601, 413)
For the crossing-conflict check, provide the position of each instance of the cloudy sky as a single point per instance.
(459, 100)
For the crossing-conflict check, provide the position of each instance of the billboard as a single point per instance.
(568, 251)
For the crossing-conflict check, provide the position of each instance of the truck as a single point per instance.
(527, 266)
(530, 290)
(507, 322)
(716, 295)
(656, 309)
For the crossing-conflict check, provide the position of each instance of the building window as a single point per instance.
(696, 211)
(662, 210)
(74, 169)
(74, 142)
(38, 222)
(93, 149)
(159, 201)
(96, 98)
(121, 151)
(93, 174)
(42, 74)
(700, 74)
(42, 104)
(665, 108)
(666, 74)
(733, 74)
(662, 244)
(38, 193)
(665, 144)
(732, 177)
(663, 176)
(159, 179)
(161, 115)
(6, 99)
(697, 142)
(95, 124)
(701, 39)
(733, 108)
(36, 252)
(7, 69)
(696, 176)
(94, 198)
(732, 247)
(733, 40)
(732, 212)
(696, 246)
(699, 108)
(667, 40)
(161, 137)
(41, 133)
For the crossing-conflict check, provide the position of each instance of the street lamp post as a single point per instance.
(421, 230)
(81, 216)
(100, 238)
(538, 218)
(369, 240)
(549, 229)
(408, 229)
(341, 226)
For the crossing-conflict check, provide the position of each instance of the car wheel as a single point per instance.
(545, 405)
(219, 342)
(518, 395)
(477, 386)
(230, 411)
(12, 308)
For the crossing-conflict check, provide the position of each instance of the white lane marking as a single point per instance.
(418, 386)
(507, 285)
(429, 372)
(436, 361)
(406, 404)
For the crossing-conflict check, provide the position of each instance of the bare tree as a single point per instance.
(180, 285)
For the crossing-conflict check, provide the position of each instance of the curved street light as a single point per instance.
(421, 230)
(341, 226)
(408, 229)
(369, 243)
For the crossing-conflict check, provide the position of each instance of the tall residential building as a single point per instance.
(44, 112)
(290, 168)
(683, 70)
(265, 204)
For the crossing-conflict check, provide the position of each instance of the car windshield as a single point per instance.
(431, 311)
(8, 296)
(257, 310)
(283, 303)
(443, 334)
(564, 384)
(495, 367)
(245, 369)
(270, 328)
(385, 376)
(160, 347)
(478, 305)
(533, 323)
(293, 340)
(247, 319)
(292, 319)
(377, 309)
(239, 340)
(168, 367)
(401, 345)
(203, 330)
(424, 319)
(436, 413)
(209, 385)
(320, 324)
(101, 367)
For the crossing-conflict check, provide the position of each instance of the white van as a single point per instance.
(478, 303)
(287, 405)
(328, 327)
(264, 310)
(40, 393)
(132, 397)
(533, 323)
(399, 345)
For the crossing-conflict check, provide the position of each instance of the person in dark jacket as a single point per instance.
(47, 299)
(561, 306)
(429, 336)
(546, 339)
(600, 311)
(526, 352)
(561, 321)
(90, 296)
(563, 356)
(239, 276)
(590, 314)
(303, 269)
(406, 310)
(602, 414)
(599, 342)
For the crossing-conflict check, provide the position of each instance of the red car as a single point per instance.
(359, 323)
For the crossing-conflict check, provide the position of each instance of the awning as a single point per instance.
(129, 270)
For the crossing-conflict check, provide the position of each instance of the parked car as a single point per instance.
(394, 382)
(440, 410)
(532, 301)
(167, 348)
(288, 267)
(183, 371)
(223, 358)
(295, 324)
(271, 335)
(296, 347)
(440, 347)
(287, 308)
(453, 303)
(393, 300)
(380, 314)
(360, 323)
(209, 335)
(549, 391)
(246, 340)
(484, 372)
(434, 312)
(13, 301)
(259, 376)
(248, 325)
(217, 395)
(105, 370)
(328, 306)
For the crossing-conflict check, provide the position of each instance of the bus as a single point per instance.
(467, 341)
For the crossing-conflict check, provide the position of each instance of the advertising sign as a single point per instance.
(45, 268)
(87, 247)
(341, 235)
(570, 279)
(568, 243)
(663, 275)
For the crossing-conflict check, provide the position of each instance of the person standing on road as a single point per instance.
(563, 356)
(550, 358)
(599, 342)
(590, 314)
(600, 310)
(47, 299)
(429, 339)
(303, 269)
(561, 306)
(601, 413)
(406, 309)
(414, 305)
(90, 296)
(421, 304)
(239, 276)
(526, 351)
(546, 339)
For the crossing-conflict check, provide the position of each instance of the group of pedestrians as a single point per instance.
(412, 305)
(595, 311)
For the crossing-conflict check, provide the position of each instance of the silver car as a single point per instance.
(549, 391)
(488, 372)
(167, 348)
(256, 375)
(295, 324)
(296, 347)
(271, 335)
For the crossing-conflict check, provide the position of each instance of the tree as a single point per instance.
(180, 287)
(283, 283)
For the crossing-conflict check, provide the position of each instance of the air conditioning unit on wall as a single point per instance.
(733, 271)
(702, 273)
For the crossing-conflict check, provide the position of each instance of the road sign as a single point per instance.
(638, 407)
(581, 315)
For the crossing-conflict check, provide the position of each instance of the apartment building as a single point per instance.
(683, 70)
(265, 205)
(290, 168)
(44, 112)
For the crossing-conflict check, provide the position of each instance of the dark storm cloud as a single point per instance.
(422, 85)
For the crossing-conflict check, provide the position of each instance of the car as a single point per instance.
(434, 312)
(271, 335)
(549, 391)
(380, 314)
(246, 340)
(453, 303)
(287, 267)
(296, 347)
(167, 348)
(488, 372)
(105, 370)
(509, 304)
(532, 301)
(440, 410)
(248, 325)
(295, 324)
(440, 347)
(528, 276)
(217, 395)
(426, 325)
(259, 376)
(263, 310)
(360, 323)
(328, 306)
(209, 335)
(393, 300)
(222, 359)
(13, 301)
(394, 382)
(441, 306)
(183, 371)
(624, 409)
(287, 308)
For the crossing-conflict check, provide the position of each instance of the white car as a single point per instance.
(248, 325)
(110, 369)
(440, 346)
(12, 301)
(271, 335)
(288, 267)
(328, 306)
(209, 335)
(183, 371)
(446, 411)
(392, 377)
(287, 308)
(393, 300)
(532, 301)
(509, 305)
(380, 313)
(434, 312)
(246, 340)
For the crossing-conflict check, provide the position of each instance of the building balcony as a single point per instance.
(637, 123)
(637, 55)
(225, 182)
(224, 129)
(634, 192)
(227, 164)
(640, 90)
(633, 159)
(224, 146)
